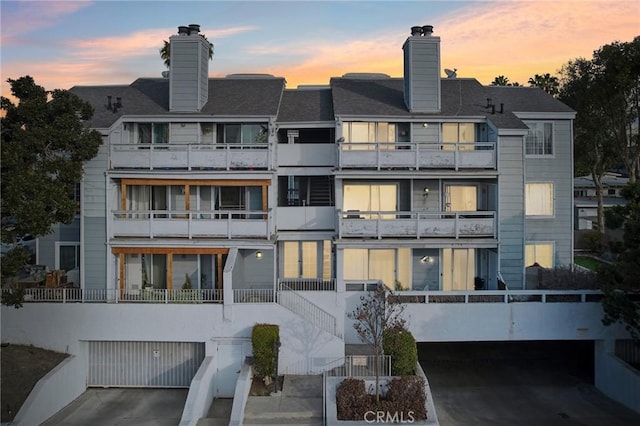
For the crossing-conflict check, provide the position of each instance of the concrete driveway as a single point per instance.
(523, 384)
(123, 407)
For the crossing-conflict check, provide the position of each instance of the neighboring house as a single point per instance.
(249, 202)
(585, 202)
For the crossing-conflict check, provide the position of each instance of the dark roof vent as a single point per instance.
(416, 31)
(182, 30)
(194, 29)
(427, 30)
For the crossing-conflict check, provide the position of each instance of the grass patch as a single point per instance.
(587, 262)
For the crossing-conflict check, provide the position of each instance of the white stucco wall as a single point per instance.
(615, 378)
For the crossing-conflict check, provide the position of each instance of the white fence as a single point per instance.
(308, 284)
(254, 295)
(79, 295)
(348, 366)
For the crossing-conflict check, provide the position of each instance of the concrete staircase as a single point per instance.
(219, 413)
(299, 403)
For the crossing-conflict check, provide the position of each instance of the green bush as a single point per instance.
(264, 338)
(400, 344)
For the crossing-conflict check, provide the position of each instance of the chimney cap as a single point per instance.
(427, 30)
(416, 30)
(183, 30)
(194, 28)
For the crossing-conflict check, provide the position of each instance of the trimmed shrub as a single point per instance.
(352, 400)
(400, 344)
(263, 339)
(407, 394)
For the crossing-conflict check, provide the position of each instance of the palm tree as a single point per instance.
(546, 82)
(165, 51)
(500, 80)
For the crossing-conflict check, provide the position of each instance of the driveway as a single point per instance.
(518, 383)
(123, 407)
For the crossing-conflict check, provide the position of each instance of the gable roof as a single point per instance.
(305, 105)
(525, 99)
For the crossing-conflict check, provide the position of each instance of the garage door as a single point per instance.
(143, 364)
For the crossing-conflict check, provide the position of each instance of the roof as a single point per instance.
(304, 105)
(609, 180)
(525, 99)
(231, 96)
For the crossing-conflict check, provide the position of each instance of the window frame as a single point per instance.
(553, 201)
(540, 243)
(528, 123)
(57, 254)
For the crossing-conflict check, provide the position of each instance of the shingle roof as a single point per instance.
(525, 99)
(304, 105)
(150, 96)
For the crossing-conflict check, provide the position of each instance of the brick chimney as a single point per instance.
(189, 70)
(422, 70)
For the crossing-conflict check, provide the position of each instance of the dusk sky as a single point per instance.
(67, 43)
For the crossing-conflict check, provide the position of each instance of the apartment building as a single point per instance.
(218, 203)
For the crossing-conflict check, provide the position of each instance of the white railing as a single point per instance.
(416, 156)
(500, 296)
(414, 224)
(307, 310)
(191, 156)
(348, 366)
(254, 295)
(308, 284)
(78, 295)
(192, 223)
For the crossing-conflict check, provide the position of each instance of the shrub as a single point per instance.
(567, 278)
(408, 394)
(263, 339)
(593, 241)
(400, 344)
(352, 400)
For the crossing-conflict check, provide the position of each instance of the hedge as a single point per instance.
(401, 345)
(263, 338)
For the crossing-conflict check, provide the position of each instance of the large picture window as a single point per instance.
(307, 259)
(391, 266)
(370, 198)
(539, 199)
(248, 133)
(539, 140)
(153, 132)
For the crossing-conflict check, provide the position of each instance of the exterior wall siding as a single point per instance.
(557, 170)
(184, 133)
(94, 233)
(423, 55)
(429, 134)
(511, 210)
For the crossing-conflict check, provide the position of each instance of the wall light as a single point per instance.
(259, 254)
(425, 125)
(427, 259)
(425, 191)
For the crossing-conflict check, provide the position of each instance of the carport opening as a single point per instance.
(573, 358)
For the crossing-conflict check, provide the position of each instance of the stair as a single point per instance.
(320, 191)
(218, 414)
(299, 403)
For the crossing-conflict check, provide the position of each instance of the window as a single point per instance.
(371, 198)
(463, 133)
(370, 133)
(153, 132)
(307, 259)
(390, 266)
(68, 256)
(539, 140)
(250, 133)
(542, 254)
(539, 199)
(611, 192)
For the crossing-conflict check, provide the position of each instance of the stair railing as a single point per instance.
(302, 307)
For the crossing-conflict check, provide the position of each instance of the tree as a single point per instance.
(547, 82)
(593, 152)
(377, 313)
(619, 282)
(617, 68)
(165, 51)
(501, 80)
(45, 142)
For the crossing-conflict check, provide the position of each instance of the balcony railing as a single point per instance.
(398, 224)
(417, 156)
(192, 223)
(308, 284)
(79, 295)
(191, 156)
(254, 295)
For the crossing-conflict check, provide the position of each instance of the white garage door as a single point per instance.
(143, 364)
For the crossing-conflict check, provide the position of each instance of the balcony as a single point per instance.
(191, 156)
(307, 154)
(306, 218)
(417, 156)
(191, 224)
(397, 224)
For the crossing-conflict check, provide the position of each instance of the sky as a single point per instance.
(62, 44)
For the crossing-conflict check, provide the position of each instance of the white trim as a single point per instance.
(545, 115)
(56, 252)
(512, 132)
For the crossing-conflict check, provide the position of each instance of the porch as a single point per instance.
(416, 155)
(416, 224)
(225, 156)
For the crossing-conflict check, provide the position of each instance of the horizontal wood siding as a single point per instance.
(184, 133)
(429, 134)
(94, 253)
(511, 210)
(424, 74)
(556, 169)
